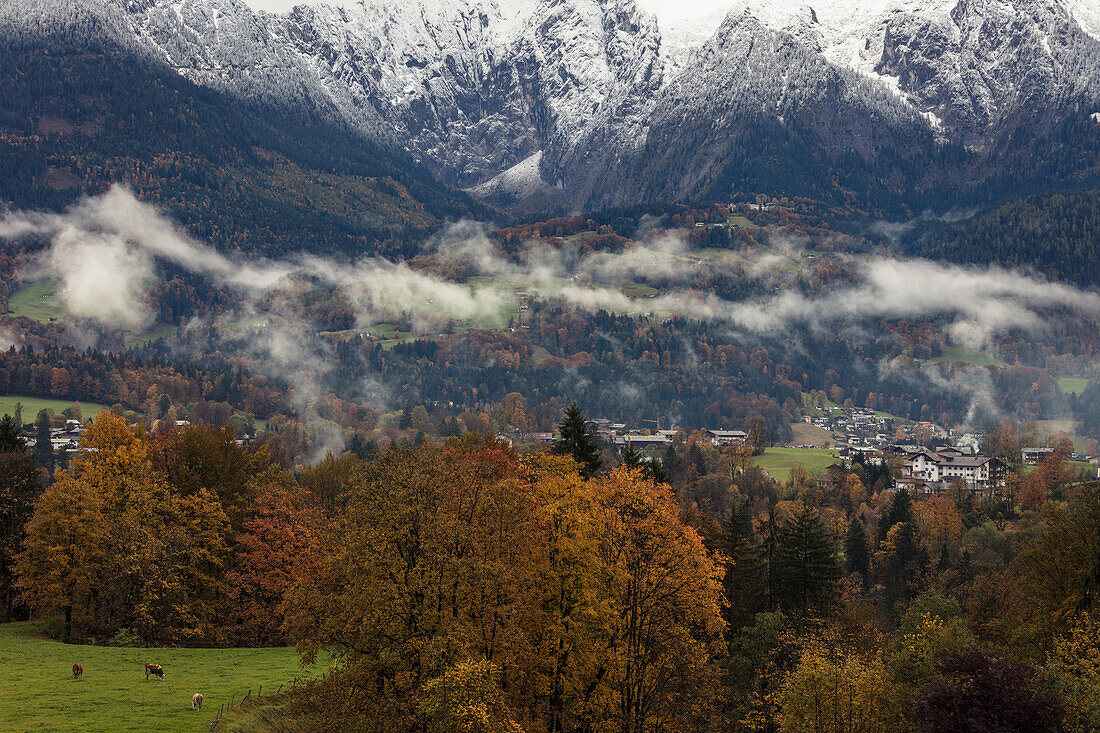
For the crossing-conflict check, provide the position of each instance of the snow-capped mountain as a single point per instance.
(595, 99)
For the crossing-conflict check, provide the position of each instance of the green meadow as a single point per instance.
(32, 406)
(1074, 385)
(778, 462)
(38, 693)
(38, 300)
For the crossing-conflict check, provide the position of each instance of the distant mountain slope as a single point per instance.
(1057, 234)
(243, 177)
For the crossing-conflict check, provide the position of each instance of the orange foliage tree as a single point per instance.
(599, 608)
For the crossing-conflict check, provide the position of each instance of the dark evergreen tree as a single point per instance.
(900, 510)
(43, 446)
(18, 489)
(10, 439)
(671, 461)
(770, 552)
(807, 572)
(698, 460)
(857, 553)
(362, 448)
(578, 441)
(906, 562)
(450, 428)
(744, 580)
(657, 471)
(631, 457)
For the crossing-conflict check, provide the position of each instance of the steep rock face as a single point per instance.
(752, 93)
(472, 87)
(225, 45)
(985, 64)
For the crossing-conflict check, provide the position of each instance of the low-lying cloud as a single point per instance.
(105, 251)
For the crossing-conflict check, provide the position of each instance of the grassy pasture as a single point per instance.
(806, 434)
(1072, 385)
(32, 405)
(29, 301)
(955, 355)
(38, 693)
(778, 462)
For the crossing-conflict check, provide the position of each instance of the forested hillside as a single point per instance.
(244, 178)
(1057, 234)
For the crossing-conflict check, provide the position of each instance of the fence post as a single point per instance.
(279, 690)
(260, 692)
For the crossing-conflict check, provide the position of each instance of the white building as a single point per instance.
(931, 472)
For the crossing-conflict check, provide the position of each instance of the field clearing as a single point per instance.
(38, 693)
(778, 462)
(1050, 428)
(741, 222)
(807, 434)
(30, 301)
(1072, 385)
(955, 355)
(638, 290)
(32, 405)
(163, 331)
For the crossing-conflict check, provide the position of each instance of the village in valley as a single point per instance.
(923, 458)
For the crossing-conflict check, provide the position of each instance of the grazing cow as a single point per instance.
(153, 669)
(196, 701)
(78, 671)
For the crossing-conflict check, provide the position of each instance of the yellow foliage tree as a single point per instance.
(111, 546)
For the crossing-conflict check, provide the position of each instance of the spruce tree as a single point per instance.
(900, 510)
(43, 446)
(10, 439)
(744, 580)
(856, 551)
(631, 457)
(657, 471)
(807, 569)
(577, 441)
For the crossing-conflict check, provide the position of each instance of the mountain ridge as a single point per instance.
(473, 88)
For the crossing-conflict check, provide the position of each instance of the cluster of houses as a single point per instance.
(863, 431)
(65, 439)
(859, 429)
(617, 435)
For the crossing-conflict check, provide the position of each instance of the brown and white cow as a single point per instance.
(153, 669)
(196, 701)
(78, 671)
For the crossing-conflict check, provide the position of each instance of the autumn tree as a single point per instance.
(467, 699)
(511, 412)
(839, 690)
(938, 523)
(986, 694)
(196, 458)
(112, 546)
(600, 609)
(282, 540)
(1059, 571)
